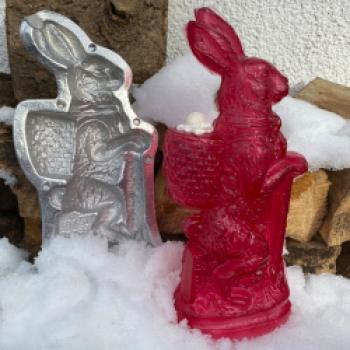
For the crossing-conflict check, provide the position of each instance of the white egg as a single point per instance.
(195, 118)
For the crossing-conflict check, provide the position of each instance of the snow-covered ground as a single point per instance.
(185, 86)
(80, 296)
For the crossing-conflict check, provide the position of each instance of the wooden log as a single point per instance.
(327, 95)
(136, 29)
(7, 150)
(314, 256)
(336, 227)
(27, 197)
(307, 206)
(32, 236)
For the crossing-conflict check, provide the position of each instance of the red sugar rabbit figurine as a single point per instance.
(239, 176)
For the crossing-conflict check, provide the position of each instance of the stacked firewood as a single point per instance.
(318, 220)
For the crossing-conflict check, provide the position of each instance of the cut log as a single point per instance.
(314, 256)
(327, 95)
(32, 236)
(336, 227)
(28, 203)
(7, 150)
(307, 206)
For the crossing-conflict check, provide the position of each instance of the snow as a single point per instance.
(321, 136)
(178, 89)
(6, 115)
(185, 86)
(10, 258)
(80, 296)
(8, 177)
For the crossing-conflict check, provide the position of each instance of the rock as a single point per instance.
(314, 256)
(307, 206)
(137, 30)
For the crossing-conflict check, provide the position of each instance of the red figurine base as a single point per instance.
(239, 176)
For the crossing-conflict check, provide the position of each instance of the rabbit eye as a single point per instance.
(99, 74)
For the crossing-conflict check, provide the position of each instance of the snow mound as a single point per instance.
(321, 136)
(178, 89)
(185, 86)
(10, 258)
(6, 115)
(80, 296)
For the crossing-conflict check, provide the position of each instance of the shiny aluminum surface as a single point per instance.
(86, 152)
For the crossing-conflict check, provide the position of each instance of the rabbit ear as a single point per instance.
(206, 48)
(57, 44)
(213, 22)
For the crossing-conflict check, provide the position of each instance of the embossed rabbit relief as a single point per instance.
(87, 153)
(239, 177)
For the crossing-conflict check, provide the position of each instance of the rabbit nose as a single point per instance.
(34, 21)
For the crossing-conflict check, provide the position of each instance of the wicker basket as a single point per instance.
(192, 167)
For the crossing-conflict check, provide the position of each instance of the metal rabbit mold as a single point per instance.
(87, 153)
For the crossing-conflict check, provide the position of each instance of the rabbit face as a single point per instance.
(262, 82)
(94, 81)
(247, 83)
